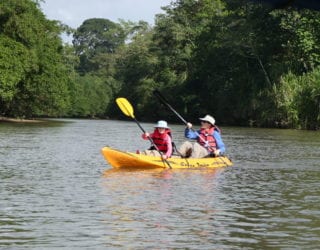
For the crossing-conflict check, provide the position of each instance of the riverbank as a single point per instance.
(18, 120)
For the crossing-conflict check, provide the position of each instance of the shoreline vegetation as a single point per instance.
(239, 61)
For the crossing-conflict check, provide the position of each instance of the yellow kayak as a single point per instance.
(120, 159)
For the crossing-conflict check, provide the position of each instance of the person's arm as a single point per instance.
(220, 145)
(169, 146)
(190, 134)
(146, 136)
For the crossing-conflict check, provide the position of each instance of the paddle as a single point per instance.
(164, 101)
(127, 109)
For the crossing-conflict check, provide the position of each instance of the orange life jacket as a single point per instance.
(160, 140)
(207, 140)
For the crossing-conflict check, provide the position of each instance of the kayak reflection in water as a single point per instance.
(209, 142)
(161, 138)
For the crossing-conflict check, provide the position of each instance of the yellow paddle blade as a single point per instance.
(125, 106)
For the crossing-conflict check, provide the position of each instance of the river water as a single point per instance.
(57, 191)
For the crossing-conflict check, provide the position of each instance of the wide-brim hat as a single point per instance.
(208, 118)
(161, 124)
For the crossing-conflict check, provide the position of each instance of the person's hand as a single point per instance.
(164, 157)
(217, 152)
(189, 125)
(146, 134)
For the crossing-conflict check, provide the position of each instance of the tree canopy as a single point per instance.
(244, 62)
(34, 78)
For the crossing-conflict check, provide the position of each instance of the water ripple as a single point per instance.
(58, 192)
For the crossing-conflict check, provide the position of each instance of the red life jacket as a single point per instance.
(207, 140)
(160, 140)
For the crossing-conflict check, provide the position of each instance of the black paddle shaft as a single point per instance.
(152, 142)
(164, 101)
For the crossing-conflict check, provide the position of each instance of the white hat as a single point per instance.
(208, 118)
(162, 124)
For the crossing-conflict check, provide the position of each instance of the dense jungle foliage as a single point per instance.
(243, 62)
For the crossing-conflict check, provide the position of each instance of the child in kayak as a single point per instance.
(161, 138)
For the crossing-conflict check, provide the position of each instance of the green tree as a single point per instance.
(298, 100)
(94, 37)
(15, 62)
(40, 85)
(90, 97)
(136, 66)
(241, 56)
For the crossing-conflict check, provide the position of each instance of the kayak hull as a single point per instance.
(121, 159)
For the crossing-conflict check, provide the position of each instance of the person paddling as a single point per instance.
(209, 141)
(161, 137)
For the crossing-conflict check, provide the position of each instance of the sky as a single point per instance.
(74, 12)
